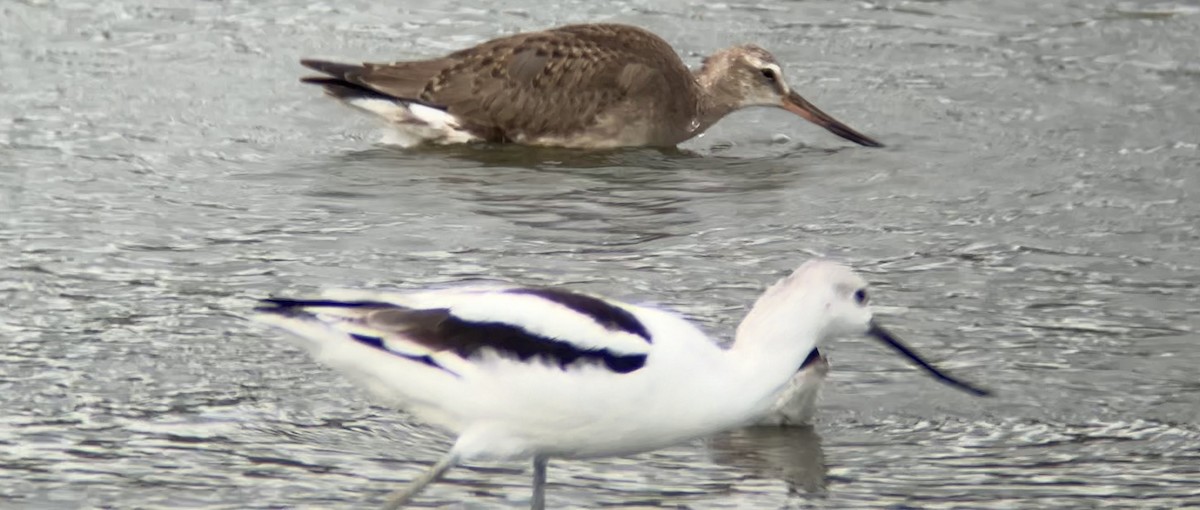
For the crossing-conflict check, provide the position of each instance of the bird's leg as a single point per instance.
(399, 498)
(539, 483)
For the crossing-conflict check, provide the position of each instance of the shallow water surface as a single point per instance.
(1032, 225)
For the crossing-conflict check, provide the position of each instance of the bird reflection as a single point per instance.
(790, 454)
(515, 156)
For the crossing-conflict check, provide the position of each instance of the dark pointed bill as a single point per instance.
(886, 337)
(799, 106)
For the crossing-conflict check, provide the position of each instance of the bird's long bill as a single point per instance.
(800, 106)
(886, 337)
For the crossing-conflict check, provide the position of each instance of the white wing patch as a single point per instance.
(414, 123)
(333, 326)
(548, 319)
(531, 313)
(385, 108)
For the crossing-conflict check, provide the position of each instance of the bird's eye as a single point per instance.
(860, 297)
(769, 74)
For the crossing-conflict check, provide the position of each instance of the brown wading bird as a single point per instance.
(584, 86)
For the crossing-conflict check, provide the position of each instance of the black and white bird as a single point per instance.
(542, 373)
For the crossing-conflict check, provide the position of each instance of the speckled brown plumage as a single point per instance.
(581, 85)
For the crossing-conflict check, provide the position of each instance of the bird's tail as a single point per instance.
(339, 81)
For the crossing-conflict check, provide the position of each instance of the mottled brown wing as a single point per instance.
(553, 82)
(401, 80)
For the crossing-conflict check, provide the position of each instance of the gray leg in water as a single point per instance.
(539, 483)
(401, 497)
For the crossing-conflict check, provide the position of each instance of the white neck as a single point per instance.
(772, 343)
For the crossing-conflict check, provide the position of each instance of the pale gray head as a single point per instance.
(748, 75)
(832, 294)
(840, 297)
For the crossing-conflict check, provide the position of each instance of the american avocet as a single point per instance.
(541, 373)
(586, 86)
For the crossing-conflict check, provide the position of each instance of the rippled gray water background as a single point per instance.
(1032, 225)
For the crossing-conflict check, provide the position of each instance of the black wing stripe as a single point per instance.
(611, 317)
(283, 306)
(377, 342)
(438, 329)
(813, 356)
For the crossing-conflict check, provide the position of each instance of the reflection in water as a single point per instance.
(620, 197)
(650, 165)
(791, 454)
(505, 156)
(508, 155)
